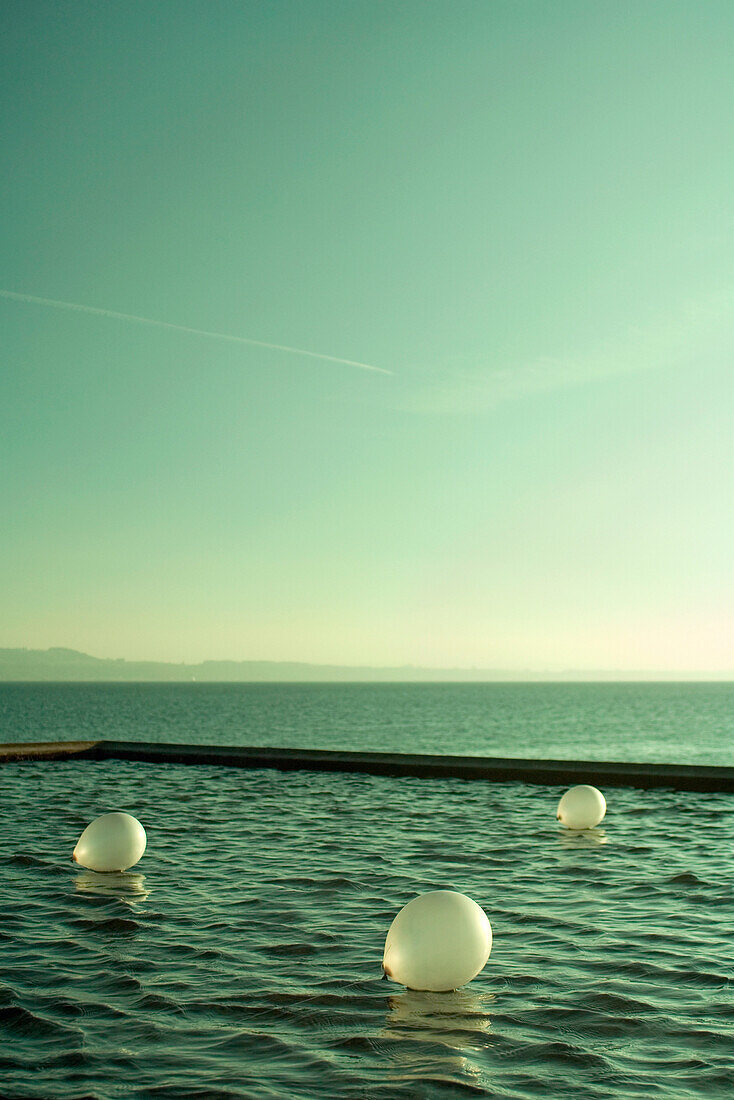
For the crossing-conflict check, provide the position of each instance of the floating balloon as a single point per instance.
(581, 807)
(112, 842)
(439, 941)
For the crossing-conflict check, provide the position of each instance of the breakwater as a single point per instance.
(685, 777)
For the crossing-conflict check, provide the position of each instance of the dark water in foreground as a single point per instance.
(241, 958)
(662, 723)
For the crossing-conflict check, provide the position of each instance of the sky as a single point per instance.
(521, 215)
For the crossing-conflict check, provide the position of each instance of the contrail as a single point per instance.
(184, 328)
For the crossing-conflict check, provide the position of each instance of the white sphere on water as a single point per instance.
(112, 842)
(581, 807)
(439, 941)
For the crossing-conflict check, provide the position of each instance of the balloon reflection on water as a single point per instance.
(127, 886)
(582, 838)
(464, 1013)
(433, 1034)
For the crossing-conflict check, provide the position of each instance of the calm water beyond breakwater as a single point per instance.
(662, 723)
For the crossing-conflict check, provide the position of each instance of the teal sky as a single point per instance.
(524, 211)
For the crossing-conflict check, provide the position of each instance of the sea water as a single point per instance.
(241, 957)
(647, 722)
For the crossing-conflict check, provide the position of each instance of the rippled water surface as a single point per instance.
(241, 958)
(663, 723)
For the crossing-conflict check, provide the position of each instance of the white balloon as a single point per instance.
(438, 942)
(581, 807)
(112, 842)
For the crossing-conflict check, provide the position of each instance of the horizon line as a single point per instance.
(404, 667)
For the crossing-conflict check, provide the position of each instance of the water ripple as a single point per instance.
(242, 958)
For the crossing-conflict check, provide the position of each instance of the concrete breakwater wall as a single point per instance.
(683, 777)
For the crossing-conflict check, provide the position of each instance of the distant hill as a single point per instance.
(60, 664)
(68, 664)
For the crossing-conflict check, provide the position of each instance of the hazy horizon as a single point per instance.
(369, 334)
(60, 662)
